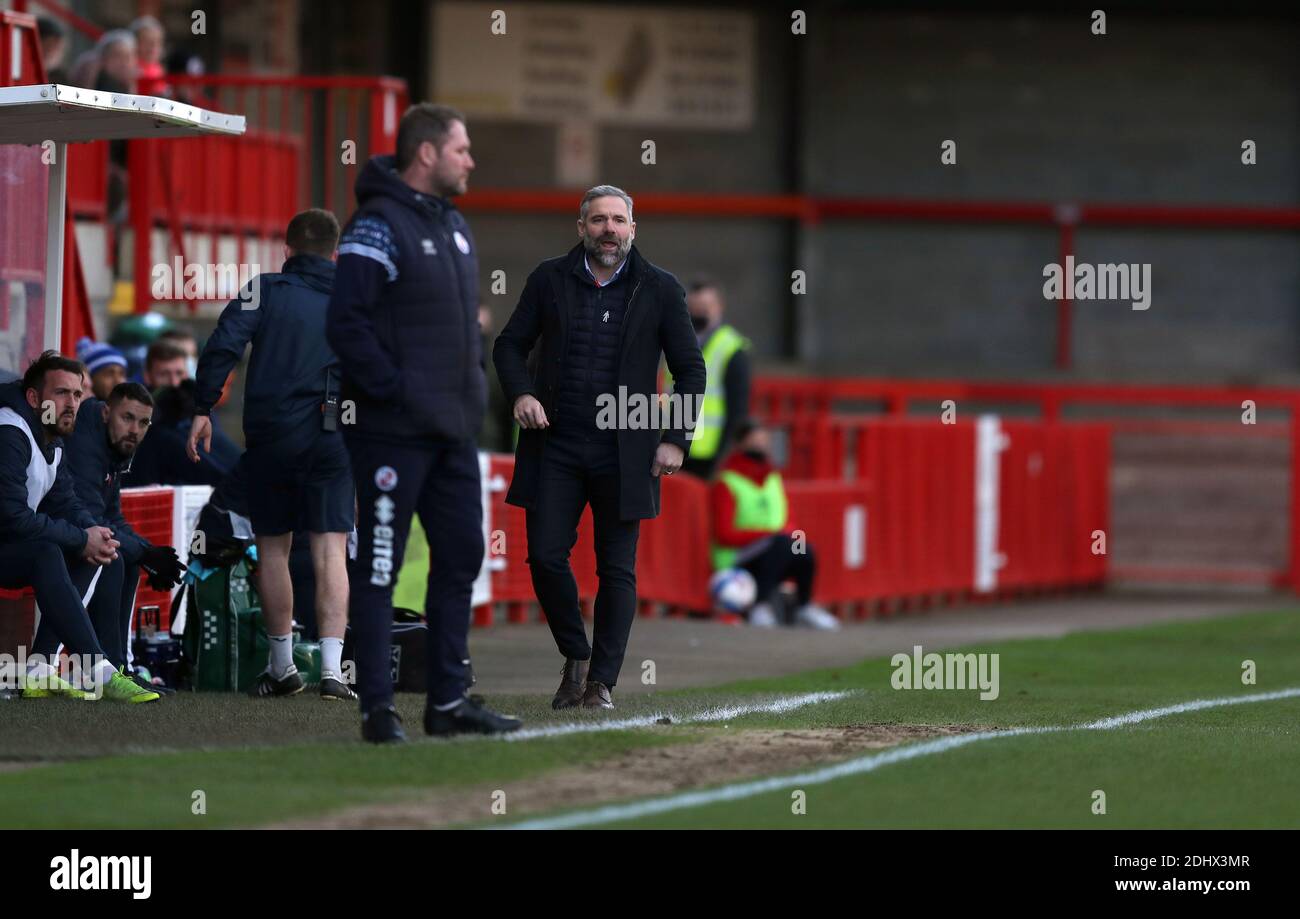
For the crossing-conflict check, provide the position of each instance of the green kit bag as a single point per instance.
(225, 636)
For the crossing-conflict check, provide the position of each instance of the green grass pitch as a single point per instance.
(69, 764)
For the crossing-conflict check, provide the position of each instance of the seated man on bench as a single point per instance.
(47, 540)
(100, 452)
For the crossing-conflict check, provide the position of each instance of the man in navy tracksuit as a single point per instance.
(404, 323)
(49, 542)
(298, 477)
(99, 453)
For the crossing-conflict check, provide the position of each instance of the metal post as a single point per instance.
(55, 209)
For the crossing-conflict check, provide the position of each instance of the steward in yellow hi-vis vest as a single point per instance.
(726, 393)
(751, 531)
(758, 509)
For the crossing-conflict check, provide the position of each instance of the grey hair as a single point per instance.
(114, 37)
(141, 23)
(604, 191)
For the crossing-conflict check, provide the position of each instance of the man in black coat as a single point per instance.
(593, 428)
(100, 452)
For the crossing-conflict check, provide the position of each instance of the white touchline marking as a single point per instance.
(724, 713)
(634, 810)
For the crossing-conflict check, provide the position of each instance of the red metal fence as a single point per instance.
(818, 417)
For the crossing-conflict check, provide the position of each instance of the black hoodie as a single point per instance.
(59, 518)
(287, 371)
(403, 318)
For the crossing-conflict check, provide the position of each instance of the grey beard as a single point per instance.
(608, 259)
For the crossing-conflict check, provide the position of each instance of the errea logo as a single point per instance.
(428, 247)
(103, 872)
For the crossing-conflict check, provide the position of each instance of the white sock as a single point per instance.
(281, 654)
(331, 658)
(102, 673)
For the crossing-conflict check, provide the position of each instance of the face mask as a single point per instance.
(700, 322)
(757, 456)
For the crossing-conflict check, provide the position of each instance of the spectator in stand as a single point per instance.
(750, 531)
(117, 62)
(105, 364)
(151, 80)
(187, 343)
(161, 458)
(165, 365)
(183, 62)
(54, 45)
(114, 71)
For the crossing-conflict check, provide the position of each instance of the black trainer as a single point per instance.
(288, 685)
(332, 690)
(383, 725)
(159, 688)
(469, 717)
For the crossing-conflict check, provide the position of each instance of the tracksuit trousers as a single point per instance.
(61, 584)
(439, 480)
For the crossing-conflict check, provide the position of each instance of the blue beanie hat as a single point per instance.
(97, 355)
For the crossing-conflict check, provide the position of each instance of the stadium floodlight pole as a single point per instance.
(55, 227)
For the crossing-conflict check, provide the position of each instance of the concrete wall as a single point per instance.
(1041, 110)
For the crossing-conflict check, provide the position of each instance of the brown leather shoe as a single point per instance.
(597, 696)
(572, 684)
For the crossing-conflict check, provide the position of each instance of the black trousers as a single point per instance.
(440, 482)
(576, 472)
(773, 561)
(59, 583)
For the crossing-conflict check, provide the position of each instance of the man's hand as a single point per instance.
(668, 459)
(101, 547)
(163, 567)
(529, 413)
(200, 429)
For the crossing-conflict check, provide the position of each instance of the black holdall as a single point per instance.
(408, 654)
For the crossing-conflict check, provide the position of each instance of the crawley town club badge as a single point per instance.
(461, 242)
(385, 478)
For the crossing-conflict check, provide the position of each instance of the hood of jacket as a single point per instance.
(379, 179)
(316, 271)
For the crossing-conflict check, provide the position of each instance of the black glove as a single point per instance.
(162, 566)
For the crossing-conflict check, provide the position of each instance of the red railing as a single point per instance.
(809, 413)
(306, 138)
